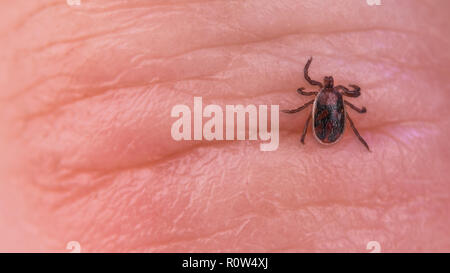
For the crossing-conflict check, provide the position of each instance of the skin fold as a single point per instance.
(85, 99)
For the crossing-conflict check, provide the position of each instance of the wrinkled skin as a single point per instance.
(87, 155)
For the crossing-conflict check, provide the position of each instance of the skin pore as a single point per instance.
(85, 99)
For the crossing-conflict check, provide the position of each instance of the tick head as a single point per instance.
(328, 82)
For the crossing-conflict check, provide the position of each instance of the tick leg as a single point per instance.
(301, 92)
(361, 111)
(357, 134)
(312, 82)
(302, 140)
(298, 109)
(350, 93)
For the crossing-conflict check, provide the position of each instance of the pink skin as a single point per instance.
(87, 155)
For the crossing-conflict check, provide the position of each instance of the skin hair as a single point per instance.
(85, 99)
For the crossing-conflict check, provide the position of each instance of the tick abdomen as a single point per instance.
(328, 116)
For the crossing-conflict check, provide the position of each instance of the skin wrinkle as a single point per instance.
(167, 199)
(154, 246)
(313, 205)
(317, 204)
(399, 122)
(50, 110)
(154, 4)
(222, 47)
(195, 238)
(87, 37)
(34, 12)
(84, 38)
(36, 83)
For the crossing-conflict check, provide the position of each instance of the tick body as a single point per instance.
(329, 115)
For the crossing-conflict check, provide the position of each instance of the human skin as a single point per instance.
(87, 155)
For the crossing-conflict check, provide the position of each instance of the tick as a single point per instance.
(328, 113)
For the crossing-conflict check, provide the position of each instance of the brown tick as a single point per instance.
(328, 113)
